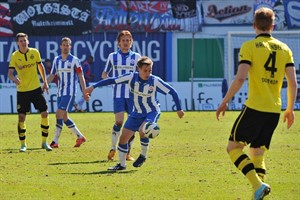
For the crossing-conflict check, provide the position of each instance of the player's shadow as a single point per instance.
(78, 162)
(103, 172)
(3, 151)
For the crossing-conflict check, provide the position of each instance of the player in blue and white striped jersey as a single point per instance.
(68, 68)
(118, 63)
(143, 88)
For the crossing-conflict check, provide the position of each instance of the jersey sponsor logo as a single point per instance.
(141, 93)
(125, 67)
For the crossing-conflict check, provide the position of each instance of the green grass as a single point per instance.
(187, 161)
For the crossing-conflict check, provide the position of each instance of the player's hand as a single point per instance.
(221, 109)
(86, 96)
(45, 88)
(180, 113)
(89, 90)
(17, 81)
(289, 116)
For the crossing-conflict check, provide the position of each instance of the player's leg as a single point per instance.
(70, 123)
(151, 117)
(131, 125)
(59, 123)
(23, 106)
(246, 129)
(129, 108)
(258, 160)
(40, 104)
(22, 131)
(119, 109)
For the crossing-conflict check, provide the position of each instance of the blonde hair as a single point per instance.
(264, 19)
(144, 60)
(66, 39)
(124, 33)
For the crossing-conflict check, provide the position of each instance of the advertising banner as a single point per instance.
(207, 96)
(231, 12)
(184, 8)
(292, 13)
(6, 28)
(141, 16)
(51, 18)
(99, 45)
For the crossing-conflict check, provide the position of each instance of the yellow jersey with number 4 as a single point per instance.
(26, 66)
(268, 59)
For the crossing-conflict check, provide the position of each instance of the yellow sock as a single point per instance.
(243, 163)
(259, 164)
(22, 132)
(45, 128)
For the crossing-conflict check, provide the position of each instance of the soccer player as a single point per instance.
(26, 61)
(68, 69)
(121, 62)
(143, 88)
(266, 61)
(86, 69)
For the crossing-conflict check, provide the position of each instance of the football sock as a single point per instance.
(71, 125)
(44, 128)
(122, 150)
(59, 126)
(144, 146)
(244, 164)
(22, 132)
(130, 143)
(260, 168)
(115, 136)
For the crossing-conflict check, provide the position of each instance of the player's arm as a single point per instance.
(234, 88)
(82, 83)
(42, 71)
(175, 97)
(291, 94)
(165, 88)
(108, 81)
(50, 78)
(12, 77)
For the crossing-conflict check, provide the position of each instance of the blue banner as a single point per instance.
(99, 45)
(292, 8)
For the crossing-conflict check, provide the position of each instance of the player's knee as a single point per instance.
(119, 123)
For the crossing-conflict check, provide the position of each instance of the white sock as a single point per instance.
(122, 151)
(76, 132)
(57, 134)
(114, 139)
(144, 146)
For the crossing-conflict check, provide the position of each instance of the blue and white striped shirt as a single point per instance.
(143, 92)
(66, 72)
(121, 63)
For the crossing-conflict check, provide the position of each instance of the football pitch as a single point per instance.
(187, 160)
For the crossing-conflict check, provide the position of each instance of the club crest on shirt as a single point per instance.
(132, 62)
(150, 89)
(31, 56)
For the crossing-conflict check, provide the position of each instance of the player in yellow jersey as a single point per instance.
(26, 62)
(266, 61)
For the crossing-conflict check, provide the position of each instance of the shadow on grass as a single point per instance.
(103, 172)
(3, 151)
(76, 163)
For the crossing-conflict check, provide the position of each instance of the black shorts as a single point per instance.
(35, 96)
(254, 127)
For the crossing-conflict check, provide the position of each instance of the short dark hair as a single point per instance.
(21, 35)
